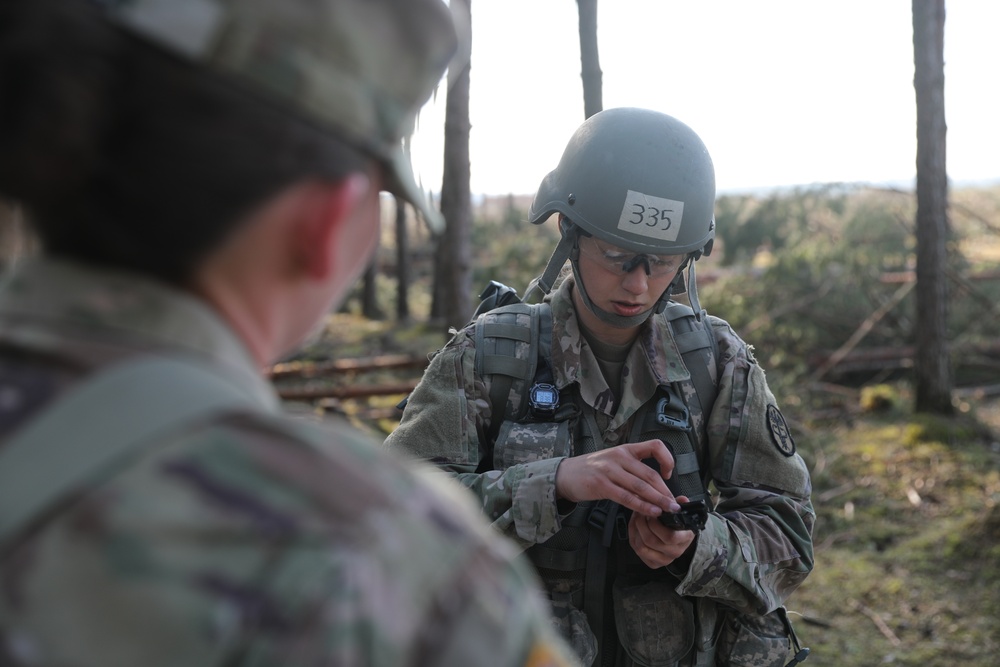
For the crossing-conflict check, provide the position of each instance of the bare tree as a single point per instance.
(402, 263)
(17, 240)
(933, 363)
(453, 268)
(369, 291)
(590, 63)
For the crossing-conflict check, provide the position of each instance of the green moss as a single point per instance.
(879, 398)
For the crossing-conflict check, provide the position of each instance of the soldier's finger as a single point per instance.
(637, 491)
(658, 452)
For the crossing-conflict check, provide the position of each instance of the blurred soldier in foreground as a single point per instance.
(204, 176)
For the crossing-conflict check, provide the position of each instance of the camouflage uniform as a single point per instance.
(756, 548)
(250, 538)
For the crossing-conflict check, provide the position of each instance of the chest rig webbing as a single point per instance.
(513, 347)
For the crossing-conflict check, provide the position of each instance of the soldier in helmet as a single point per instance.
(204, 176)
(628, 442)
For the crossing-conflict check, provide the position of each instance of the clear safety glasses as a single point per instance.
(621, 262)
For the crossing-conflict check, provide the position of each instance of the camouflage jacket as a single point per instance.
(757, 546)
(251, 539)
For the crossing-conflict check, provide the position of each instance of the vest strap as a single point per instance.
(73, 444)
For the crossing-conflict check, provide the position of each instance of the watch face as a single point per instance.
(545, 396)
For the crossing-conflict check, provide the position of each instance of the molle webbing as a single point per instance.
(497, 337)
(686, 479)
(588, 437)
(496, 343)
(566, 551)
(696, 342)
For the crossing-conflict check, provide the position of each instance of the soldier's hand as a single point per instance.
(618, 474)
(655, 544)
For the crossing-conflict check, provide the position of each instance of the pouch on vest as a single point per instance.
(655, 625)
(533, 441)
(753, 640)
(566, 599)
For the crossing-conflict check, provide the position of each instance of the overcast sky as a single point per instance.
(783, 92)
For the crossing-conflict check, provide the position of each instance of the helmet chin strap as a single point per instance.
(678, 286)
(693, 292)
(566, 247)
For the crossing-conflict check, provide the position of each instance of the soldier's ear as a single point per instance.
(325, 213)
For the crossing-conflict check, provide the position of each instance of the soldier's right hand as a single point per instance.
(619, 474)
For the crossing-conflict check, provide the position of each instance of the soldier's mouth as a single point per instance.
(627, 309)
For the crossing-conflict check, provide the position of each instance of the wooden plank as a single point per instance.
(339, 366)
(305, 393)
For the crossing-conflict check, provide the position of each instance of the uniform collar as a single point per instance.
(47, 303)
(654, 359)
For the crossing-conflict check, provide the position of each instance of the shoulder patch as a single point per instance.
(780, 434)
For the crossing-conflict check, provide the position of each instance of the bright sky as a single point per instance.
(783, 92)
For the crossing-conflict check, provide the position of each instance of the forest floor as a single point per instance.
(907, 539)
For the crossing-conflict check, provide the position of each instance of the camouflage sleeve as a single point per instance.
(474, 629)
(757, 547)
(445, 422)
(262, 544)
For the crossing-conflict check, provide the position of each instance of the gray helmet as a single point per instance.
(636, 178)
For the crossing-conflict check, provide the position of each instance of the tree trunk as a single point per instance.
(933, 363)
(454, 249)
(402, 263)
(369, 291)
(17, 240)
(589, 61)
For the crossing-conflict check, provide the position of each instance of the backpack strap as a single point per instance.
(73, 444)
(699, 349)
(497, 336)
(667, 416)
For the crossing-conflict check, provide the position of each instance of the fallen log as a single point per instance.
(895, 357)
(897, 277)
(308, 393)
(306, 369)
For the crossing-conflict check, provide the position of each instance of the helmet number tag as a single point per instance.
(650, 216)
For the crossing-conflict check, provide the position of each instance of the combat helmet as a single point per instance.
(635, 178)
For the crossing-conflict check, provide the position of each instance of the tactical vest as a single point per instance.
(679, 423)
(590, 555)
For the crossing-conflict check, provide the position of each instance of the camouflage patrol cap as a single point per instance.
(362, 68)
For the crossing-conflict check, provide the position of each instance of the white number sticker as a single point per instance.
(650, 216)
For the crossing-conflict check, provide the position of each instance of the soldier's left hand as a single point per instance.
(654, 543)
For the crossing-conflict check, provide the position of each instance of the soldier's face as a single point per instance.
(622, 282)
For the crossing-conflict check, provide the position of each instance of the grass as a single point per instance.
(907, 542)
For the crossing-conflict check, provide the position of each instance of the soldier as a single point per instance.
(558, 415)
(204, 176)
